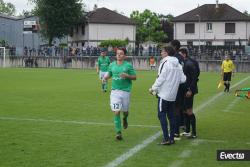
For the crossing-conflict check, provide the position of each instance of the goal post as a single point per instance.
(2, 52)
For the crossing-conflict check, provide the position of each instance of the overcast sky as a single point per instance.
(175, 7)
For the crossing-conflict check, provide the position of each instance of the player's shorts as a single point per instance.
(188, 102)
(102, 74)
(119, 100)
(227, 76)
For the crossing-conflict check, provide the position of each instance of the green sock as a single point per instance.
(117, 121)
(105, 86)
(102, 86)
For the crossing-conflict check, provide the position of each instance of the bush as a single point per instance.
(114, 43)
(63, 45)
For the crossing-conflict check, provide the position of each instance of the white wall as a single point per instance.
(242, 31)
(97, 32)
(111, 31)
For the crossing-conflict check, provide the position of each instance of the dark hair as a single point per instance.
(184, 51)
(170, 50)
(176, 44)
(123, 49)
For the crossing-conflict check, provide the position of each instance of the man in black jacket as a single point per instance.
(179, 115)
(192, 71)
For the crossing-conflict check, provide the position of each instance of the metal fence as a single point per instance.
(202, 53)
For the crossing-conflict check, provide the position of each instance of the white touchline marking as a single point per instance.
(231, 105)
(197, 142)
(202, 106)
(125, 156)
(72, 122)
(133, 150)
(185, 153)
(176, 163)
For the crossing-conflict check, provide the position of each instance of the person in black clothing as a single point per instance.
(192, 71)
(179, 116)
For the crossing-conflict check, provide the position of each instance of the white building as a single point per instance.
(103, 24)
(212, 24)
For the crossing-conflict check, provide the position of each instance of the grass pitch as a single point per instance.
(60, 118)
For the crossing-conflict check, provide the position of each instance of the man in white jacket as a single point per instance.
(170, 76)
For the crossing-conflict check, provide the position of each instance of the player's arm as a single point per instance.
(127, 76)
(222, 69)
(183, 76)
(160, 80)
(97, 67)
(108, 75)
(233, 69)
(194, 78)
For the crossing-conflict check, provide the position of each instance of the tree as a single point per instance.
(167, 26)
(27, 13)
(246, 13)
(148, 26)
(57, 17)
(7, 8)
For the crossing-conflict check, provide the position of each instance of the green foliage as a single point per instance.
(3, 43)
(63, 45)
(114, 43)
(246, 13)
(149, 26)
(7, 8)
(57, 17)
(26, 13)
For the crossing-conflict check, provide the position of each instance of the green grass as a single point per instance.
(75, 95)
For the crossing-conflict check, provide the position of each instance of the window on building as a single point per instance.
(229, 28)
(209, 26)
(83, 29)
(189, 28)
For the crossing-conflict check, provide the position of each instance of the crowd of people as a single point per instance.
(205, 53)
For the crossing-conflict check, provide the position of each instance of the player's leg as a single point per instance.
(178, 103)
(105, 84)
(186, 118)
(177, 121)
(116, 106)
(229, 80)
(101, 75)
(125, 108)
(171, 118)
(191, 116)
(117, 122)
(225, 81)
(163, 121)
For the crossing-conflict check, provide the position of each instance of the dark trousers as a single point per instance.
(166, 108)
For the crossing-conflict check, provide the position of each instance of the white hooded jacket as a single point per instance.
(170, 76)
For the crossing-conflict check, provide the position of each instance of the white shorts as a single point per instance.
(102, 74)
(119, 100)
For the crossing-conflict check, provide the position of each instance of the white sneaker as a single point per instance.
(177, 138)
(185, 134)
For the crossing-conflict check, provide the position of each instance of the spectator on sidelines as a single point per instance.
(170, 75)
